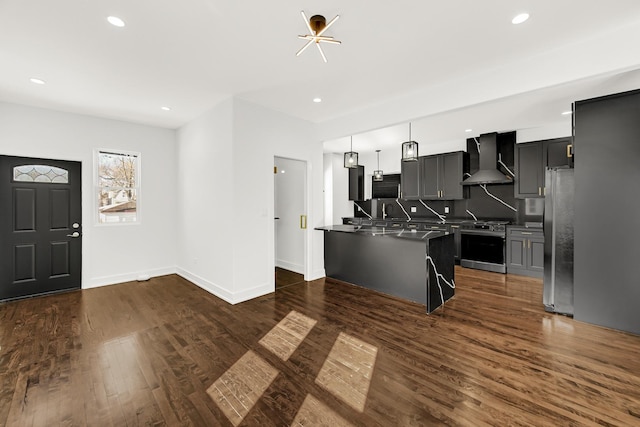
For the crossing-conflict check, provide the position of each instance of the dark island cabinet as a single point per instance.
(441, 176)
(356, 183)
(531, 160)
(410, 180)
(525, 251)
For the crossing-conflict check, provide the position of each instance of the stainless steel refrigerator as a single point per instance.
(558, 240)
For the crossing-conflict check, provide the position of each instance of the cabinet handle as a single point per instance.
(570, 150)
(529, 244)
(526, 232)
(303, 222)
(539, 191)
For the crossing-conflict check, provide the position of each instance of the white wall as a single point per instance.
(234, 234)
(111, 254)
(259, 135)
(336, 195)
(205, 198)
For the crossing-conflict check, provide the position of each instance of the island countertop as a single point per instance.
(383, 231)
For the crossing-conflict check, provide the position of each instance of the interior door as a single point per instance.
(40, 226)
(290, 208)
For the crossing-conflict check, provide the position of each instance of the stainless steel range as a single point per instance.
(483, 245)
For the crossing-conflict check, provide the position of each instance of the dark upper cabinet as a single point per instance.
(529, 171)
(453, 173)
(356, 183)
(532, 158)
(410, 180)
(558, 152)
(430, 171)
(388, 188)
(440, 176)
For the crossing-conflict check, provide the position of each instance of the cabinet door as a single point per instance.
(409, 181)
(529, 170)
(556, 151)
(535, 254)
(356, 183)
(451, 176)
(430, 177)
(516, 253)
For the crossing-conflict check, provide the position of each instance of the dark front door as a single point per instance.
(40, 226)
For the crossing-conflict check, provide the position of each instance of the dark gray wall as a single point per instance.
(607, 211)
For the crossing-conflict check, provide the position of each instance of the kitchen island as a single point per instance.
(410, 264)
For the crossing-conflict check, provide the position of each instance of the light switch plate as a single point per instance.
(414, 209)
(446, 209)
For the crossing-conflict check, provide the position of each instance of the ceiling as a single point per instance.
(447, 66)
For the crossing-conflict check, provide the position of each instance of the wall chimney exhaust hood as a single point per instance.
(488, 172)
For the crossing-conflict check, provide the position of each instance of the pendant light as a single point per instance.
(409, 149)
(377, 174)
(351, 157)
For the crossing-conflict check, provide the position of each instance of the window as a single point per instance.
(40, 173)
(118, 187)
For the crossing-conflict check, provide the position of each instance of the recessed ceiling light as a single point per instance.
(317, 100)
(115, 21)
(519, 19)
(37, 81)
(282, 171)
(566, 113)
(468, 130)
(165, 108)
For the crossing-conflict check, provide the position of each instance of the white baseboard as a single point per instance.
(97, 282)
(222, 293)
(317, 274)
(296, 268)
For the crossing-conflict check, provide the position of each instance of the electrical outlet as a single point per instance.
(446, 209)
(414, 209)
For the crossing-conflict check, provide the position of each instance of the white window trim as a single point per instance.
(96, 188)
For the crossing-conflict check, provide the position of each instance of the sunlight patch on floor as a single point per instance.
(241, 386)
(287, 335)
(315, 413)
(346, 373)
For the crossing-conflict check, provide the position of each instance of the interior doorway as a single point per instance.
(290, 217)
(40, 226)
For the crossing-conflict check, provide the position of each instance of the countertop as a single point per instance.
(383, 231)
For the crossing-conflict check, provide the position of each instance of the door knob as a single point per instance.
(75, 234)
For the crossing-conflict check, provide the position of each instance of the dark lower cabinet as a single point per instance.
(525, 252)
(356, 183)
(457, 241)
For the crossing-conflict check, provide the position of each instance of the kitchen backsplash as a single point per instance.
(481, 204)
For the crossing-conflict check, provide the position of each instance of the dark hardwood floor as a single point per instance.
(286, 278)
(165, 352)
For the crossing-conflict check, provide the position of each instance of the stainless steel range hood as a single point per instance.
(488, 172)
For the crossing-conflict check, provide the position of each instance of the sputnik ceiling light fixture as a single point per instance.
(377, 174)
(317, 25)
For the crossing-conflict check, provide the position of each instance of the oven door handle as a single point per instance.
(483, 233)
